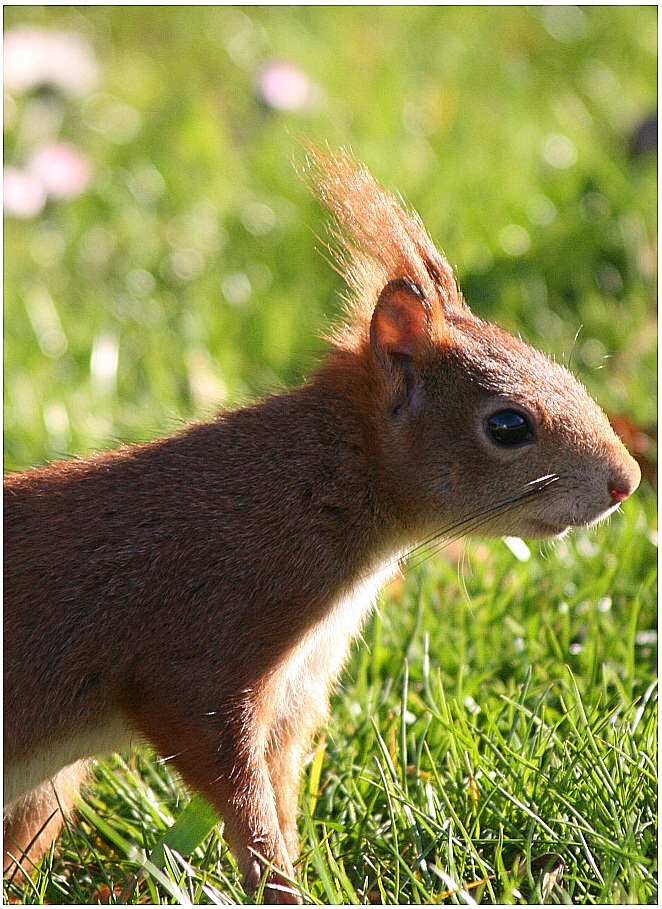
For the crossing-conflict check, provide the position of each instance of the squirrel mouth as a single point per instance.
(602, 515)
(541, 530)
(553, 529)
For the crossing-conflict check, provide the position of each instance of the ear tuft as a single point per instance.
(401, 319)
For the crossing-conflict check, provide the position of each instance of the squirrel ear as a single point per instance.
(401, 320)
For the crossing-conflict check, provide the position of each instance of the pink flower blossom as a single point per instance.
(62, 169)
(23, 193)
(283, 86)
(56, 170)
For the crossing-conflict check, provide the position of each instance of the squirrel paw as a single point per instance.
(278, 891)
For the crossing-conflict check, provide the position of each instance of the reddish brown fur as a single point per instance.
(201, 591)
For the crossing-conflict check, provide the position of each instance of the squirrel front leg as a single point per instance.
(285, 760)
(252, 828)
(289, 742)
(284, 772)
(222, 756)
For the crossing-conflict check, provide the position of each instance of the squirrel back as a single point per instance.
(200, 592)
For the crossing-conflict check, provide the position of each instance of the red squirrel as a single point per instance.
(200, 592)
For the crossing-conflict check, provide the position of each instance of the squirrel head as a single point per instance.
(474, 430)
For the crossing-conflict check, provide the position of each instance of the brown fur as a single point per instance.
(201, 591)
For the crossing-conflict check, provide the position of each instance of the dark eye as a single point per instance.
(509, 427)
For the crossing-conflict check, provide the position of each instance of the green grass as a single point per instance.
(495, 736)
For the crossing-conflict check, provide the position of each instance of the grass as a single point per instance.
(494, 738)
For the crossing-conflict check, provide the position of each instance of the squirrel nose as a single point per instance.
(624, 482)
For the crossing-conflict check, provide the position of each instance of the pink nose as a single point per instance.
(624, 481)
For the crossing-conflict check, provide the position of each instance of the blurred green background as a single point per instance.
(186, 269)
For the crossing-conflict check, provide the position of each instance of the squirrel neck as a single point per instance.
(342, 406)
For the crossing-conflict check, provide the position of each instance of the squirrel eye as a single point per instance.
(509, 427)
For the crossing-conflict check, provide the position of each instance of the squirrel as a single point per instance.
(200, 592)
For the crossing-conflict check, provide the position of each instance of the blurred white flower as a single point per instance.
(559, 151)
(283, 86)
(34, 57)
